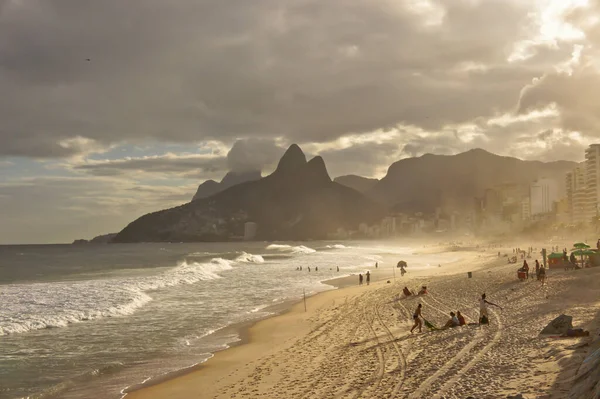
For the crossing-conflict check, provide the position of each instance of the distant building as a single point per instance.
(542, 195)
(525, 209)
(592, 181)
(388, 226)
(250, 229)
(576, 194)
(561, 211)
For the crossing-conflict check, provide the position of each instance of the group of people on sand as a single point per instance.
(540, 271)
(456, 319)
(408, 292)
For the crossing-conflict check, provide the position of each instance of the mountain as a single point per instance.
(298, 201)
(358, 183)
(211, 187)
(426, 182)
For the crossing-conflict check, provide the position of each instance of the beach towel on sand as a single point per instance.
(429, 325)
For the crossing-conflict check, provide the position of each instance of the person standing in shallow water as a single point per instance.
(360, 279)
(368, 277)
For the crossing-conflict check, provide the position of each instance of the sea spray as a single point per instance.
(50, 305)
(249, 258)
(299, 249)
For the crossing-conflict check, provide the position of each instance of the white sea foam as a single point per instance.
(300, 249)
(337, 246)
(47, 305)
(250, 258)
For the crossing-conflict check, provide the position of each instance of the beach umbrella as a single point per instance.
(402, 264)
(583, 252)
(580, 245)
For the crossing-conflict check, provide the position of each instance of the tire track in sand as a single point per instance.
(476, 359)
(402, 363)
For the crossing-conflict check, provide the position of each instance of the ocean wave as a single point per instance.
(249, 258)
(37, 306)
(300, 249)
(337, 246)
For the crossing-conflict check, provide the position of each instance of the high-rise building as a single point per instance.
(542, 194)
(250, 229)
(592, 181)
(576, 194)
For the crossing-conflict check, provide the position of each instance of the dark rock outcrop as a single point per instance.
(102, 239)
(558, 326)
(296, 202)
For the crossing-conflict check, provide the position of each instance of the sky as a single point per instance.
(111, 109)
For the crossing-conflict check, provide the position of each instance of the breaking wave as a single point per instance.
(337, 246)
(300, 249)
(49, 305)
(250, 258)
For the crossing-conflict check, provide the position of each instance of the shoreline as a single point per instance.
(243, 329)
(284, 353)
(342, 284)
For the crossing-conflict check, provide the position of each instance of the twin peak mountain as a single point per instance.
(299, 201)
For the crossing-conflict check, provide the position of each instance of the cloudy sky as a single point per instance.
(110, 109)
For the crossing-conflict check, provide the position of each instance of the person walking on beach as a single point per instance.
(360, 279)
(376, 265)
(417, 318)
(338, 268)
(484, 317)
(316, 268)
(542, 275)
(368, 277)
(537, 269)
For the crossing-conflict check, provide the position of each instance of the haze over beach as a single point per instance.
(251, 199)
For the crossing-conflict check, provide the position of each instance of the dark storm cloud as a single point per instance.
(303, 70)
(244, 155)
(253, 154)
(169, 163)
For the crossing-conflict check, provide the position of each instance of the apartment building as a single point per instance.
(592, 182)
(576, 194)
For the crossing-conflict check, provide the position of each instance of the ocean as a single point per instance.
(82, 321)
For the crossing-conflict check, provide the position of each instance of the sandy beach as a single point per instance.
(355, 342)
